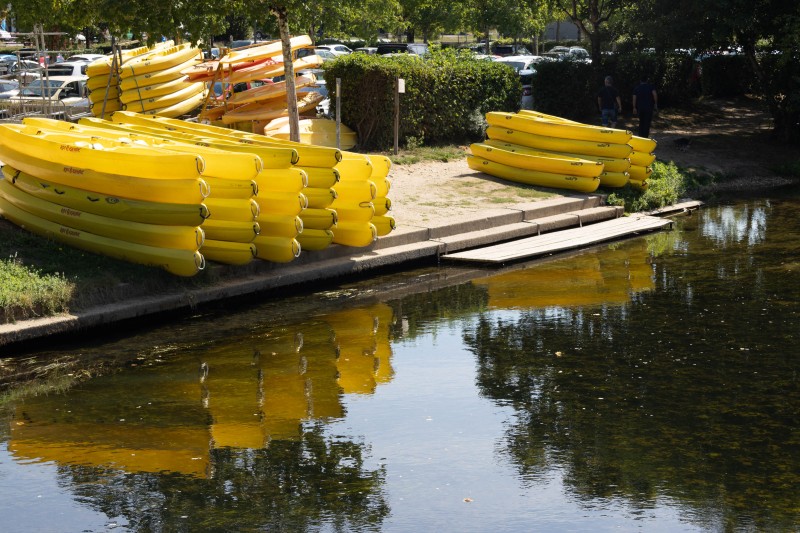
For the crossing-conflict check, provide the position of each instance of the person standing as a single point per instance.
(645, 103)
(609, 103)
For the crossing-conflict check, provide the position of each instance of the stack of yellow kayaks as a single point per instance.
(173, 193)
(254, 107)
(637, 164)
(147, 80)
(549, 152)
(323, 194)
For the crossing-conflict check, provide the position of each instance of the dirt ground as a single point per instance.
(725, 137)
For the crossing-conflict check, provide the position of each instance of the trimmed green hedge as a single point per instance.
(446, 96)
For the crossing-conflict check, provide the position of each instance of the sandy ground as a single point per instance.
(729, 138)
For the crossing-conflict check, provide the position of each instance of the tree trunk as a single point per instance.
(288, 70)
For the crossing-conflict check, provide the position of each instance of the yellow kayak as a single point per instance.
(151, 91)
(614, 179)
(132, 83)
(269, 109)
(315, 239)
(555, 144)
(280, 225)
(117, 207)
(563, 130)
(283, 204)
(321, 178)
(160, 60)
(643, 145)
(178, 262)
(363, 212)
(308, 156)
(101, 155)
(269, 91)
(282, 180)
(231, 230)
(277, 249)
(181, 108)
(229, 253)
(526, 158)
(639, 172)
(268, 49)
(639, 184)
(354, 167)
(319, 198)
(610, 164)
(238, 209)
(148, 103)
(354, 192)
(642, 159)
(318, 131)
(319, 219)
(177, 237)
(356, 234)
(384, 224)
(216, 162)
(272, 157)
(232, 188)
(382, 205)
(169, 190)
(533, 177)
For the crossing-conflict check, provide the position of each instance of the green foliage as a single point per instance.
(447, 95)
(666, 185)
(726, 76)
(27, 292)
(566, 89)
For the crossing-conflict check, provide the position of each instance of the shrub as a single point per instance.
(447, 95)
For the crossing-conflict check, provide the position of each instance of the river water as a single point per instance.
(649, 384)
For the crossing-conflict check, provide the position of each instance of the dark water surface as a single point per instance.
(649, 385)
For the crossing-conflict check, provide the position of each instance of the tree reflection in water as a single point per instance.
(688, 391)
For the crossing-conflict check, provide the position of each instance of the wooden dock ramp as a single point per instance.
(559, 241)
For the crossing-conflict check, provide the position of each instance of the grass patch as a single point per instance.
(40, 277)
(27, 292)
(666, 185)
(419, 154)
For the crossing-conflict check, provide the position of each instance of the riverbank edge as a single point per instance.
(420, 243)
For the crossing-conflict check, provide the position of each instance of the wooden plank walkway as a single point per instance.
(559, 241)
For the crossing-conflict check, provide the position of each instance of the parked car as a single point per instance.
(69, 90)
(85, 57)
(504, 50)
(324, 107)
(325, 54)
(579, 54)
(525, 66)
(366, 50)
(23, 70)
(68, 68)
(559, 50)
(336, 49)
(526, 77)
(520, 62)
(419, 49)
(219, 87)
(8, 89)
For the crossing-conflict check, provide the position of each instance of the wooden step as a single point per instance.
(559, 241)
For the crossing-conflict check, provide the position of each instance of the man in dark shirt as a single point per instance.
(645, 103)
(609, 103)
